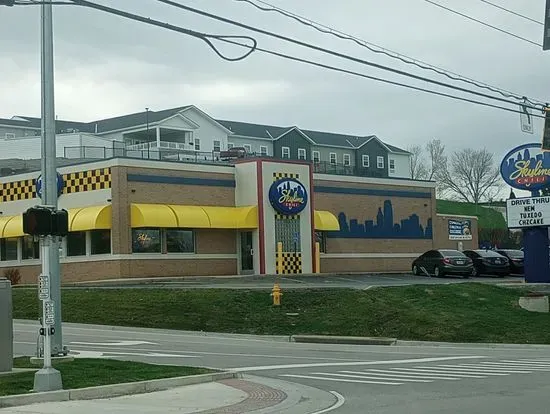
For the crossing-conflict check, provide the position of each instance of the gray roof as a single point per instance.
(238, 128)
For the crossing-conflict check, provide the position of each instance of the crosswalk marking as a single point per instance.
(430, 371)
(340, 379)
(423, 374)
(376, 377)
(412, 375)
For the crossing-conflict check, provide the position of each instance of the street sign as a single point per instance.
(526, 118)
(546, 34)
(43, 287)
(49, 313)
(528, 212)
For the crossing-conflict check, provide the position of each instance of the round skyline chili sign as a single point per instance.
(526, 167)
(288, 196)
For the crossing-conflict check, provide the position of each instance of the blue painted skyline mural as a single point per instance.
(383, 226)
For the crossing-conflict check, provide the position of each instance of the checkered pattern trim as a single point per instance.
(291, 263)
(17, 190)
(74, 183)
(87, 181)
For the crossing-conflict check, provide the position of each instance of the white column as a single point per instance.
(158, 137)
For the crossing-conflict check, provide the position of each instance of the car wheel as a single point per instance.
(475, 272)
(437, 272)
(415, 270)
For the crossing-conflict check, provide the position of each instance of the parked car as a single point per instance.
(441, 262)
(516, 259)
(233, 153)
(488, 262)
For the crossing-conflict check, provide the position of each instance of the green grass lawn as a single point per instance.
(468, 312)
(82, 373)
(487, 217)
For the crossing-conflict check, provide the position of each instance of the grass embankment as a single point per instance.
(82, 373)
(488, 218)
(467, 312)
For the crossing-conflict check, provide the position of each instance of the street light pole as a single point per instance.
(48, 378)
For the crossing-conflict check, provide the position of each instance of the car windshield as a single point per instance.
(452, 253)
(514, 253)
(488, 253)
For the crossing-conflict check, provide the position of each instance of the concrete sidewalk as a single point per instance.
(232, 396)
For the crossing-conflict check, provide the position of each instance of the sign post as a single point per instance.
(546, 34)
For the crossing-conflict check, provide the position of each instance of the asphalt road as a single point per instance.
(354, 281)
(401, 379)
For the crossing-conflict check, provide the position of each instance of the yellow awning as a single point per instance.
(194, 217)
(3, 222)
(153, 215)
(232, 217)
(91, 218)
(13, 227)
(191, 217)
(326, 221)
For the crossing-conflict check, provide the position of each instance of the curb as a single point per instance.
(345, 340)
(475, 345)
(113, 390)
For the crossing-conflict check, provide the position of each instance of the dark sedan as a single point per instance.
(443, 262)
(516, 260)
(488, 262)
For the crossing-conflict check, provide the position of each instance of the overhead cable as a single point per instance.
(512, 12)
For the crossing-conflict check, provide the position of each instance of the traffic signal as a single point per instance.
(44, 221)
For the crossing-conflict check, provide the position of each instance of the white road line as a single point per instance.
(542, 363)
(119, 343)
(465, 371)
(485, 369)
(516, 366)
(430, 371)
(493, 368)
(340, 400)
(353, 364)
(340, 379)
(411, 375)
(372, 376)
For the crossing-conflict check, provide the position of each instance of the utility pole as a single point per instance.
(48, 378)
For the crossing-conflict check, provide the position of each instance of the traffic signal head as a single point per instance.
(44, 221)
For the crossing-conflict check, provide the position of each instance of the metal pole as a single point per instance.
(48, 378)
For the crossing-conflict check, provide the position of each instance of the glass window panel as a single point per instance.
(101, 241)
(8, 249)
(180, 241)
(76, 243)
(146, 241)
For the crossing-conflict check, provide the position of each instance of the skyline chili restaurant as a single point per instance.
(147, 218)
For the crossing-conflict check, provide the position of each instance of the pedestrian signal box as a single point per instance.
(45, 221)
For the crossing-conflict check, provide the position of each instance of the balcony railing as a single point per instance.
(149, 152)
(153, 144)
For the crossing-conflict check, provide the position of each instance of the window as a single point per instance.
(30, 248)
(316, 157)
(248, 148)
(366, 161)
(76, 243)
(230, 145)
(332, 158)
(392, 165)
(100, 241)
(380, 162)
(285, 152)
(347, 159)
(263, 150)
(146, 241)
(197, 144)
(217, 145)
(301, 154)
(321, 238)
(180, 241)
(8, 249)
(9, 135)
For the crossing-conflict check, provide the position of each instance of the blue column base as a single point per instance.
(537, 255)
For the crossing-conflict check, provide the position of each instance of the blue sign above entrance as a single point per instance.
(60, 184)
(288, 196)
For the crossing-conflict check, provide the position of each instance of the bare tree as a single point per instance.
(417, 165)
(436, 158)
(471, 175)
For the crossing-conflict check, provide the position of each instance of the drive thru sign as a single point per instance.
(528, 212)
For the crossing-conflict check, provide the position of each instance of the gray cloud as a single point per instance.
(108, 66)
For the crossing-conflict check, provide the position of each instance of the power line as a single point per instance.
(382, 50)
(225, 39)
(335, 53)
(512, 12)
(483, 23)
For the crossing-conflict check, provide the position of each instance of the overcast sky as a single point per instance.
(107, 66)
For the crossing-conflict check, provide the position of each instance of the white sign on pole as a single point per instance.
(526, 118)
(528, 212)
(49, 313)
(43, 287)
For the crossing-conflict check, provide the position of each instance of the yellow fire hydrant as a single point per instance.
(276, 294)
